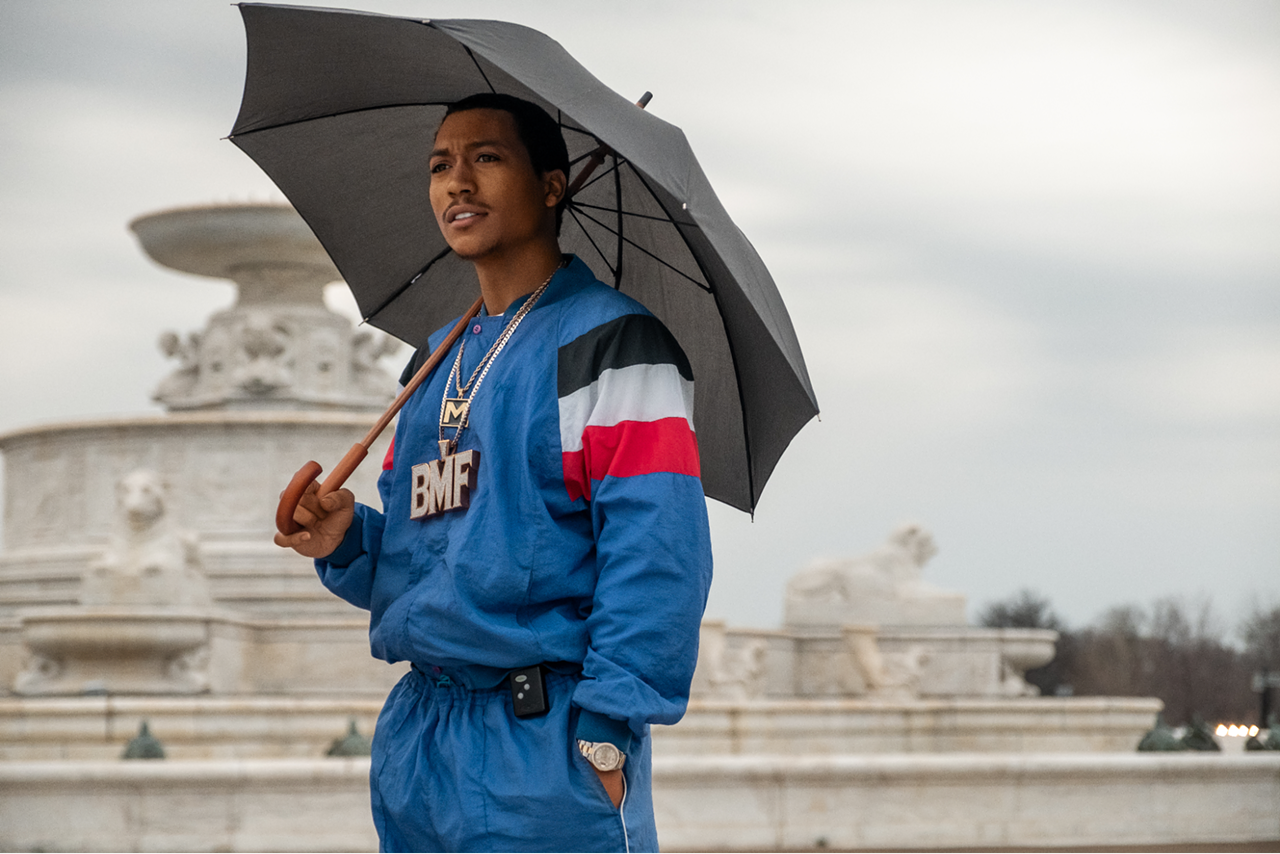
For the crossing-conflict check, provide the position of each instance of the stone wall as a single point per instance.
(762, 803)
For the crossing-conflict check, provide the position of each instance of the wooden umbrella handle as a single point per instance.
(292, 494)
(285, 523)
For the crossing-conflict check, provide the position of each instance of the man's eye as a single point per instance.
(486, 158)
(438, 167)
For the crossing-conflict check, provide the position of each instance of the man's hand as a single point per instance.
(324, 522)
(613, 784)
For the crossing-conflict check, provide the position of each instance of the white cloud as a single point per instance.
(920, 355)
(1208, 375)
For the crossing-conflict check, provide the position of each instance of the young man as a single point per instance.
(542, 520)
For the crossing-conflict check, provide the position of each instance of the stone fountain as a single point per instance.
(155, 575)
(278, 347)
(139, 584)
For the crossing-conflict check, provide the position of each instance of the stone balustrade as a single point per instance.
(722, 803)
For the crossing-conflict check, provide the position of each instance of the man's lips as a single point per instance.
(460, 215)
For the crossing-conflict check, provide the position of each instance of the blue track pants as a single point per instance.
(454, 770)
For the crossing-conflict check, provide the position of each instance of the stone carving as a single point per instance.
(366, 349)
(265, 367)
(37, 670)
(187, 353)
(147, 561)
(252, 358)
(1013, 682)
(142, 626)
(278, 346)
(190, 669)
(894, 676)
(730, 671)
(883, 587)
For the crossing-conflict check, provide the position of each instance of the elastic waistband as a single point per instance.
(478, 677)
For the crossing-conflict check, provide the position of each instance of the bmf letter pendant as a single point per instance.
(440, 485)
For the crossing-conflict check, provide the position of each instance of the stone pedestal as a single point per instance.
(885, 662)
(115, 651)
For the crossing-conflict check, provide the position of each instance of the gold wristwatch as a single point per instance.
(602, 755)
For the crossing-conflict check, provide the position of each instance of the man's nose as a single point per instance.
(461, 179)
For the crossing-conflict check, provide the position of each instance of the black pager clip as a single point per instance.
(529, 692)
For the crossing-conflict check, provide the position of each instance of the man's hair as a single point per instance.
(537, 131)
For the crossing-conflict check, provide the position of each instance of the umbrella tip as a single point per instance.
(644, 100)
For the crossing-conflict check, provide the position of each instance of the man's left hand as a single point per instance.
(613, 784)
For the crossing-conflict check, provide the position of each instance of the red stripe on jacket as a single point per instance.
(630, 448)
(389, 460)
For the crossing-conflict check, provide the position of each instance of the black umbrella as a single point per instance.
(340, 108)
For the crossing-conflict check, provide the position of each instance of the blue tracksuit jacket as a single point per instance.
(585, 544)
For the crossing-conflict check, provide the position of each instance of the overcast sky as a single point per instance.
(1031, 249)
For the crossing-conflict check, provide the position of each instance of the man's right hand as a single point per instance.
(324, 522)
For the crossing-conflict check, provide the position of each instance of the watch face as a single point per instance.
(605, 756)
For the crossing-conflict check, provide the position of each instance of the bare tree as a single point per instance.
(1261, 634)
(1025, 609)
(1112, 659)
(1176, 651)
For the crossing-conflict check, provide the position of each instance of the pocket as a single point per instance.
(538, 787)
(387, 775)
(395, 713)
(590, 779)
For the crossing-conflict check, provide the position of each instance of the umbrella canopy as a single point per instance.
(340, 109)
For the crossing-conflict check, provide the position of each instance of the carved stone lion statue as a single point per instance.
(147, 561)
(882, 587)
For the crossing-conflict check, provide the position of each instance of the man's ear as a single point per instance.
(556, 184)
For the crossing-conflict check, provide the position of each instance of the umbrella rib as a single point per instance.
(631, 242)
(564, 127)
(478, 68)
(742, 407)
(628, 213)
(592, 241)
(398, 291)
(733, 357)
(604, 174)
(617, 194)
(640, 177)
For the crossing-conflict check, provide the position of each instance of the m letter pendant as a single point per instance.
(440, 485)
(454, 415)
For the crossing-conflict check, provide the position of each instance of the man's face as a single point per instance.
(486, 197)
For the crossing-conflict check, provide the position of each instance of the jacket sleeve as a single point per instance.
(348, 571)
(626, 414)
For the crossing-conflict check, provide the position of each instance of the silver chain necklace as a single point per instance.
(455, 415)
